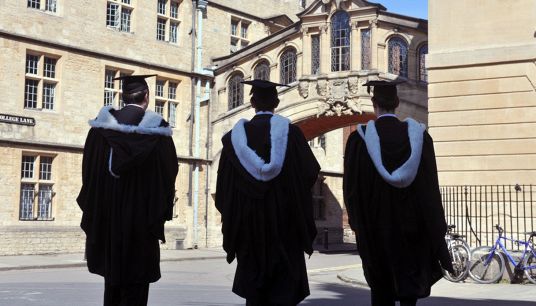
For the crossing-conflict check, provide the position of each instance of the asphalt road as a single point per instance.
(208, 282)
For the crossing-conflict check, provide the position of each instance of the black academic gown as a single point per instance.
(126, 201)
(400, 231)
(268, 225)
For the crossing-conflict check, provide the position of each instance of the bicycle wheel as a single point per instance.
(460, 255)
(530, 267)
(481, 270)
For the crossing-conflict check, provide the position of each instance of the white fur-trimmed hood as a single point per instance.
(255, 165)
(150, 124)
(405, 174)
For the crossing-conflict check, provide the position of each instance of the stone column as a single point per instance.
(355, 48)
(325, 49)
(306, 53)
(374, 64)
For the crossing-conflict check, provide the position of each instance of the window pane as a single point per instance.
(159, 108)
(340, 41)
(161, 30)
(235, 91)
(50, 67)
(162, 7)
(45, 169)
(234, 27)
(262, 71)
(27, 166)
(174, 13)
(159, 92)
(172, 91)
(125, 19)
(244, 32)
(34, 4)
(122, 74)
(172, 111)
(112, 15)
(30, 94)
(27, 195)
(109, 78)
(288, 66)
(423, 73)
(109, 97)
(44, 204)
(50, 5)
(365, 49)
(49, 91)
(398, 57)
(173, 33)
(315, 54)
(32, 63)
(126, 1)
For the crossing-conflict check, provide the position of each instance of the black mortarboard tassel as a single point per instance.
(262, 89)
(134, 83)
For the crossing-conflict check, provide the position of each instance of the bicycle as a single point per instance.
(488, 265)
(459, 253)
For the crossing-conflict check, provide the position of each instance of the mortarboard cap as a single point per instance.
(385, 92)
(263, 90)
(134, 83)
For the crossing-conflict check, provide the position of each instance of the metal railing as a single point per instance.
(475, 209)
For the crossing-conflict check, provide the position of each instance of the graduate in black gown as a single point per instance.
(128, 185)
(265, 176)
(392, 197)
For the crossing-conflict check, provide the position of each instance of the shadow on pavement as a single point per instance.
(343, 295)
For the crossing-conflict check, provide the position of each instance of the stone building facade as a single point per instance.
(58, 58)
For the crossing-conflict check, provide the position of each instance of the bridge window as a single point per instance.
(365, 49)
(398, 57)
(315, 54)
(235, 91)
(288, 66)
(423, 73)
(340, 41)
(262, 71)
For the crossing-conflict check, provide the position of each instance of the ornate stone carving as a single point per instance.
(353, 85)
(322, 87)
(324, 28)
(341, 97)
(303, 89)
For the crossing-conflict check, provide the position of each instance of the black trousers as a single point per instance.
(128, 295)
(380, 298)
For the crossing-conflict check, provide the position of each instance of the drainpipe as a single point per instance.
(207, 156)
(201, 5)
(192, 109)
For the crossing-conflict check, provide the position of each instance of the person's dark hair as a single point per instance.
(385, 103)
(135, 97)
(264, 99)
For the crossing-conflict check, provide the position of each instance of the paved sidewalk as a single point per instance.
(27, 262)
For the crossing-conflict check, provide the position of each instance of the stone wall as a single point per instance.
(482, 97)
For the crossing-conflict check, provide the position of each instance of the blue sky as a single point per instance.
(414, 8)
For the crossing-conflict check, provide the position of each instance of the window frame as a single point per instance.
(290, 75)
(39, 76)
(262, 74)
(118, 21)
(239, 32)
(167, 20)
(403, 60)
(422, 72)
(36, 201)
(166, 101)
(340, 41)
(235, 91)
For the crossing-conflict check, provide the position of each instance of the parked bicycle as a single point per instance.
(487, 263)
(459, 253)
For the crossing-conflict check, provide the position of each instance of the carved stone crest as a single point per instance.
(341, 97)
(303, 89)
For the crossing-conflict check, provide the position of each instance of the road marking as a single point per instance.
(338, 268)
